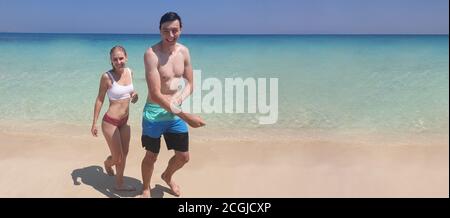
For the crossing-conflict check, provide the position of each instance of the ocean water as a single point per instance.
(332, 82)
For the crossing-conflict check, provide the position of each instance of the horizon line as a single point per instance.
(293, 34)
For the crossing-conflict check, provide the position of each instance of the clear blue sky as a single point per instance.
(228, 16)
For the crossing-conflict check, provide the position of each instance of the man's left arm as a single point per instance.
(188, 76)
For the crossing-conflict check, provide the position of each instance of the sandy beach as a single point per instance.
(61, 160)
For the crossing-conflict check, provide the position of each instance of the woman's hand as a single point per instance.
(134, 97)
(94, 130)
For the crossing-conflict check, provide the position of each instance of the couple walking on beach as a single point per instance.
(166, 63)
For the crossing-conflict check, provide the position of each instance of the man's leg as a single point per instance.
(175, 163)
(147, 170)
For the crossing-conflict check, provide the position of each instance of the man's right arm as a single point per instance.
(153, 80)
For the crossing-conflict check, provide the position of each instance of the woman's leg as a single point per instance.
(125, 133)
(113, 138)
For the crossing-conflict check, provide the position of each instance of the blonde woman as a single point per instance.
(118, 85)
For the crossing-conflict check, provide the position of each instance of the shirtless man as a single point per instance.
(166, 64)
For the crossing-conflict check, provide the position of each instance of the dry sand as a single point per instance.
(60, 160)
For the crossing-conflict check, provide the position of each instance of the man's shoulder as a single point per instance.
(182, 48)
(153, 49)
(151, 52)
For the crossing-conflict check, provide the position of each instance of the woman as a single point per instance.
(117, 83)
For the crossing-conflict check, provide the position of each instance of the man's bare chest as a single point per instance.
(171, 68)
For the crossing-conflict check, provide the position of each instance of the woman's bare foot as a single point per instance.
(109, 170)
(126, 188)
(174, 187)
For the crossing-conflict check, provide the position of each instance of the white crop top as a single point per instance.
(118, 91)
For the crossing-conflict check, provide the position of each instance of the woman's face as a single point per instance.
(118, 59)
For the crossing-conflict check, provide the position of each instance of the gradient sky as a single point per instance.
(228, 16)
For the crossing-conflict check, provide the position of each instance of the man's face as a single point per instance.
(170, 32)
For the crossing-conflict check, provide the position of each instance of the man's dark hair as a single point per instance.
(170, 16)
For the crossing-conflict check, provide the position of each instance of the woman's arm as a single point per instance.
(99, 102)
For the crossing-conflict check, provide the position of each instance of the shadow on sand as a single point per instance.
(95, 176)
(159, 190)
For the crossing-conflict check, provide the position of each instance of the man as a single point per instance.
(166, 64)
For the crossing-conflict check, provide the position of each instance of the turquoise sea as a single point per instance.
(333, 82)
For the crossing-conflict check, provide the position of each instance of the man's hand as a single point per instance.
(194, 121)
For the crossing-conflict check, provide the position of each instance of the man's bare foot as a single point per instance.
(145, 193)
(109, 170)
(126, 188)
(174, 187)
